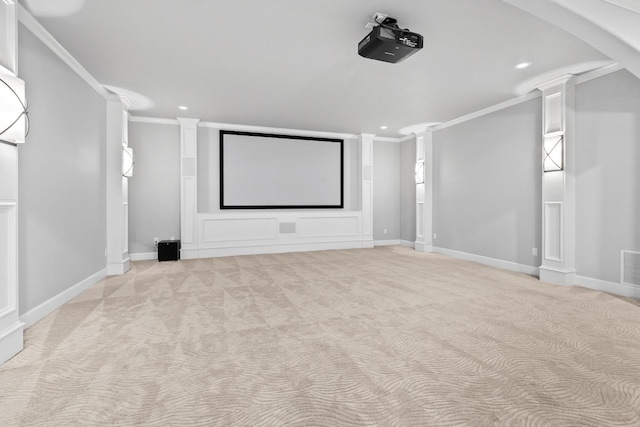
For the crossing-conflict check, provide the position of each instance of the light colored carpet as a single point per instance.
(383, 336)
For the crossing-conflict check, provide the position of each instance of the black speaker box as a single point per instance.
(169, 250)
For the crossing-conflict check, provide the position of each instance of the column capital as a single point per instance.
(557, 81)
(187, 122)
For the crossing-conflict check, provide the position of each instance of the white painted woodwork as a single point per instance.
(11, 327)
(244, 233)
(424, 191)
(346, 226)
(118, 260)
(553, 231)
(188, 184)
(366, 149)
(558, 187)
(239, 229)
(8, 36)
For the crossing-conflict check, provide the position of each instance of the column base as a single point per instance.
(423, 247)
(557, 276)
(118, 268)
(11, 341)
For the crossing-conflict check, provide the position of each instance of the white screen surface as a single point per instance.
(274, 171)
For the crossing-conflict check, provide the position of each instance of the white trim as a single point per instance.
(265, 129)
(11, 341)
(493, 262)
(386, 242)
(600, 72)
(407, 244)
(385, 139)
(144, 256)
(119, 268)
(557, 276)
(45, 37)
(407, 138)
(497, 107)
(153, 120)
(273, 249)
(52, 304)
(610, 287)
(422, 247)
(561, 80)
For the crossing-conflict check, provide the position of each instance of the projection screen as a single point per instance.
(268, 171)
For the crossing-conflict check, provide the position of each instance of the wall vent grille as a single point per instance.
(630, 270)
(287, 227)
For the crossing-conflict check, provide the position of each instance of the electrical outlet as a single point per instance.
(155, 241)
(534, 251)
(435, 236)
(385, 231)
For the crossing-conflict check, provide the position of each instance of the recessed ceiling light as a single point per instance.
(182, 107)
(383, 127)
(522, 65)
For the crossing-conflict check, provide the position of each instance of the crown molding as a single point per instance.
(600, 72)
(497, 107)
(385, 139)
(153, 120)
(45, 37)
(265, 129)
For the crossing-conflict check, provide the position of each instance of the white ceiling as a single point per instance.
(294, 64)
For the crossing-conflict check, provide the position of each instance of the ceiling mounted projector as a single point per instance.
(387, 42)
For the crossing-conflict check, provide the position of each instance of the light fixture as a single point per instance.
(522, 65)
(384, 127)
(183, 107)
(420, 173)
(14, 119)
(127, 161)
(553, 153)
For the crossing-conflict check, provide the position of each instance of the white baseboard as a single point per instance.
(37, 313)
(493, 262)
(11, 341)
(272, 249)
(408, 244)
(386, 242)
(144, 256)
(610, 287)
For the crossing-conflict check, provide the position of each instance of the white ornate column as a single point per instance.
(365, 141)
(558, 181)
(188, 188)
(424, 190)
(118, 260)
(11, 328)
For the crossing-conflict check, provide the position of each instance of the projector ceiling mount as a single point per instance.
(387, 41)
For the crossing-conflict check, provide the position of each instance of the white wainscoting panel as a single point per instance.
(8, 264)
(367, 208)
(244, 233)
(241, 229)
(328, 227)
(189, 216)
(553, 231)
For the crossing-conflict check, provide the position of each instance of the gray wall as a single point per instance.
(487, 185)
(154, 189)
(408, 190)
(62, 191)
(608, 173)
(386, 190)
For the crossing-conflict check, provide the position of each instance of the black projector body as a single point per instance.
(389, 44)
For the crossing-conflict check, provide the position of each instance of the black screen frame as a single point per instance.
(271, 135)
